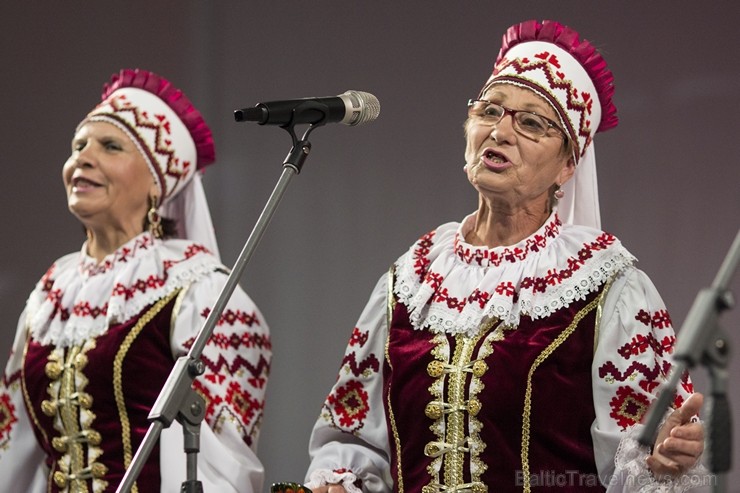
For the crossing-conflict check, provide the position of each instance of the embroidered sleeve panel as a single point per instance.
(351, 433)
(632, 359)
(237, 356)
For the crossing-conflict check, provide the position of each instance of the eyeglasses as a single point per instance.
(528, 123)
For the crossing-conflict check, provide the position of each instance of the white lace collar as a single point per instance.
(451, 286)
(79, 298)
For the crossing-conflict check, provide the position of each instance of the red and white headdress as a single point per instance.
(174, 140)
(572, 77)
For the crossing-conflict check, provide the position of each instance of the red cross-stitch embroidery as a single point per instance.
(350, 403)
(239, 340)
(358, 338)
(609, 369)
(628, 407)
(557, 80)
(484, 257)
(641, 343)
(160, 126)
(231, 317)
(120, 256)
(370, 363)
(221, 365)
(658, 320)
(7, 417)
(85, 310)
(421, 263)
(241, 400)
(55, 297)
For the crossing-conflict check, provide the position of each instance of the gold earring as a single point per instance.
(154, 219)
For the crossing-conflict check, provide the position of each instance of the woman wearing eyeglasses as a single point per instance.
(520, 348)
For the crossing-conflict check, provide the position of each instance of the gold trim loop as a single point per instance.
(55, 369)
(437, 409)
(438, 368)
(83, 399)
(96, 471)
(436, 448)
(61, 444)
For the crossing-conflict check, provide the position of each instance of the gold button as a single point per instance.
(60, 479)
(431, 450)
(435, 368)
(98, 470)
(479, 368)
(85, 400)
(59, 444)
(49, 408)
(433, 410)
(93, 437)
(53, 370)
(474, 406)
(80, 361)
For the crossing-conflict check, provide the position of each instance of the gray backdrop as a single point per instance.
(669, 173)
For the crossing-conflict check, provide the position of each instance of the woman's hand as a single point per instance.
(329, 488)
(680, 441)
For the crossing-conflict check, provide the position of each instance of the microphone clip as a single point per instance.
(302, 147)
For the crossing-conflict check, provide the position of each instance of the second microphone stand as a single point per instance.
(701, 340)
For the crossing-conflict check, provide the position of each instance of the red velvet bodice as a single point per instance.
(517, 409)
(91, 417)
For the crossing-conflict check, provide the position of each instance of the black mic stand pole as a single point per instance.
(178, 400)
(702, 340)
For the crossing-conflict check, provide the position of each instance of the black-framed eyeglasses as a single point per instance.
(527, 123)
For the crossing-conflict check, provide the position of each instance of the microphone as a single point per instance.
(350, 108)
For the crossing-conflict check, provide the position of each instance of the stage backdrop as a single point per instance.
(669, 174)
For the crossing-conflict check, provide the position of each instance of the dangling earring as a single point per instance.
(154, 219)
(559, 194)
(465, 167)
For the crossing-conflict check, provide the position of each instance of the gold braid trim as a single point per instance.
(396, 438)
(528, 394)
(118, 377)
(176, 308)
(68, 416)
(27, 397)
(600, 312)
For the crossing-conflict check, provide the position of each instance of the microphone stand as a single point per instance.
(177, 399)
(702, 340)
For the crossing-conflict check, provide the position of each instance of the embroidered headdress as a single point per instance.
(173, 138)
(572, 77)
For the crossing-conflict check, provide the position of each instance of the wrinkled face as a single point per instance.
(504, 164)
(107, 180)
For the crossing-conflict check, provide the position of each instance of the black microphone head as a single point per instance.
(360, 107)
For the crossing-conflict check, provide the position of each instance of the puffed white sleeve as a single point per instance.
(21, 458)
(349, 442)
(237, 361)
(632, 359)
